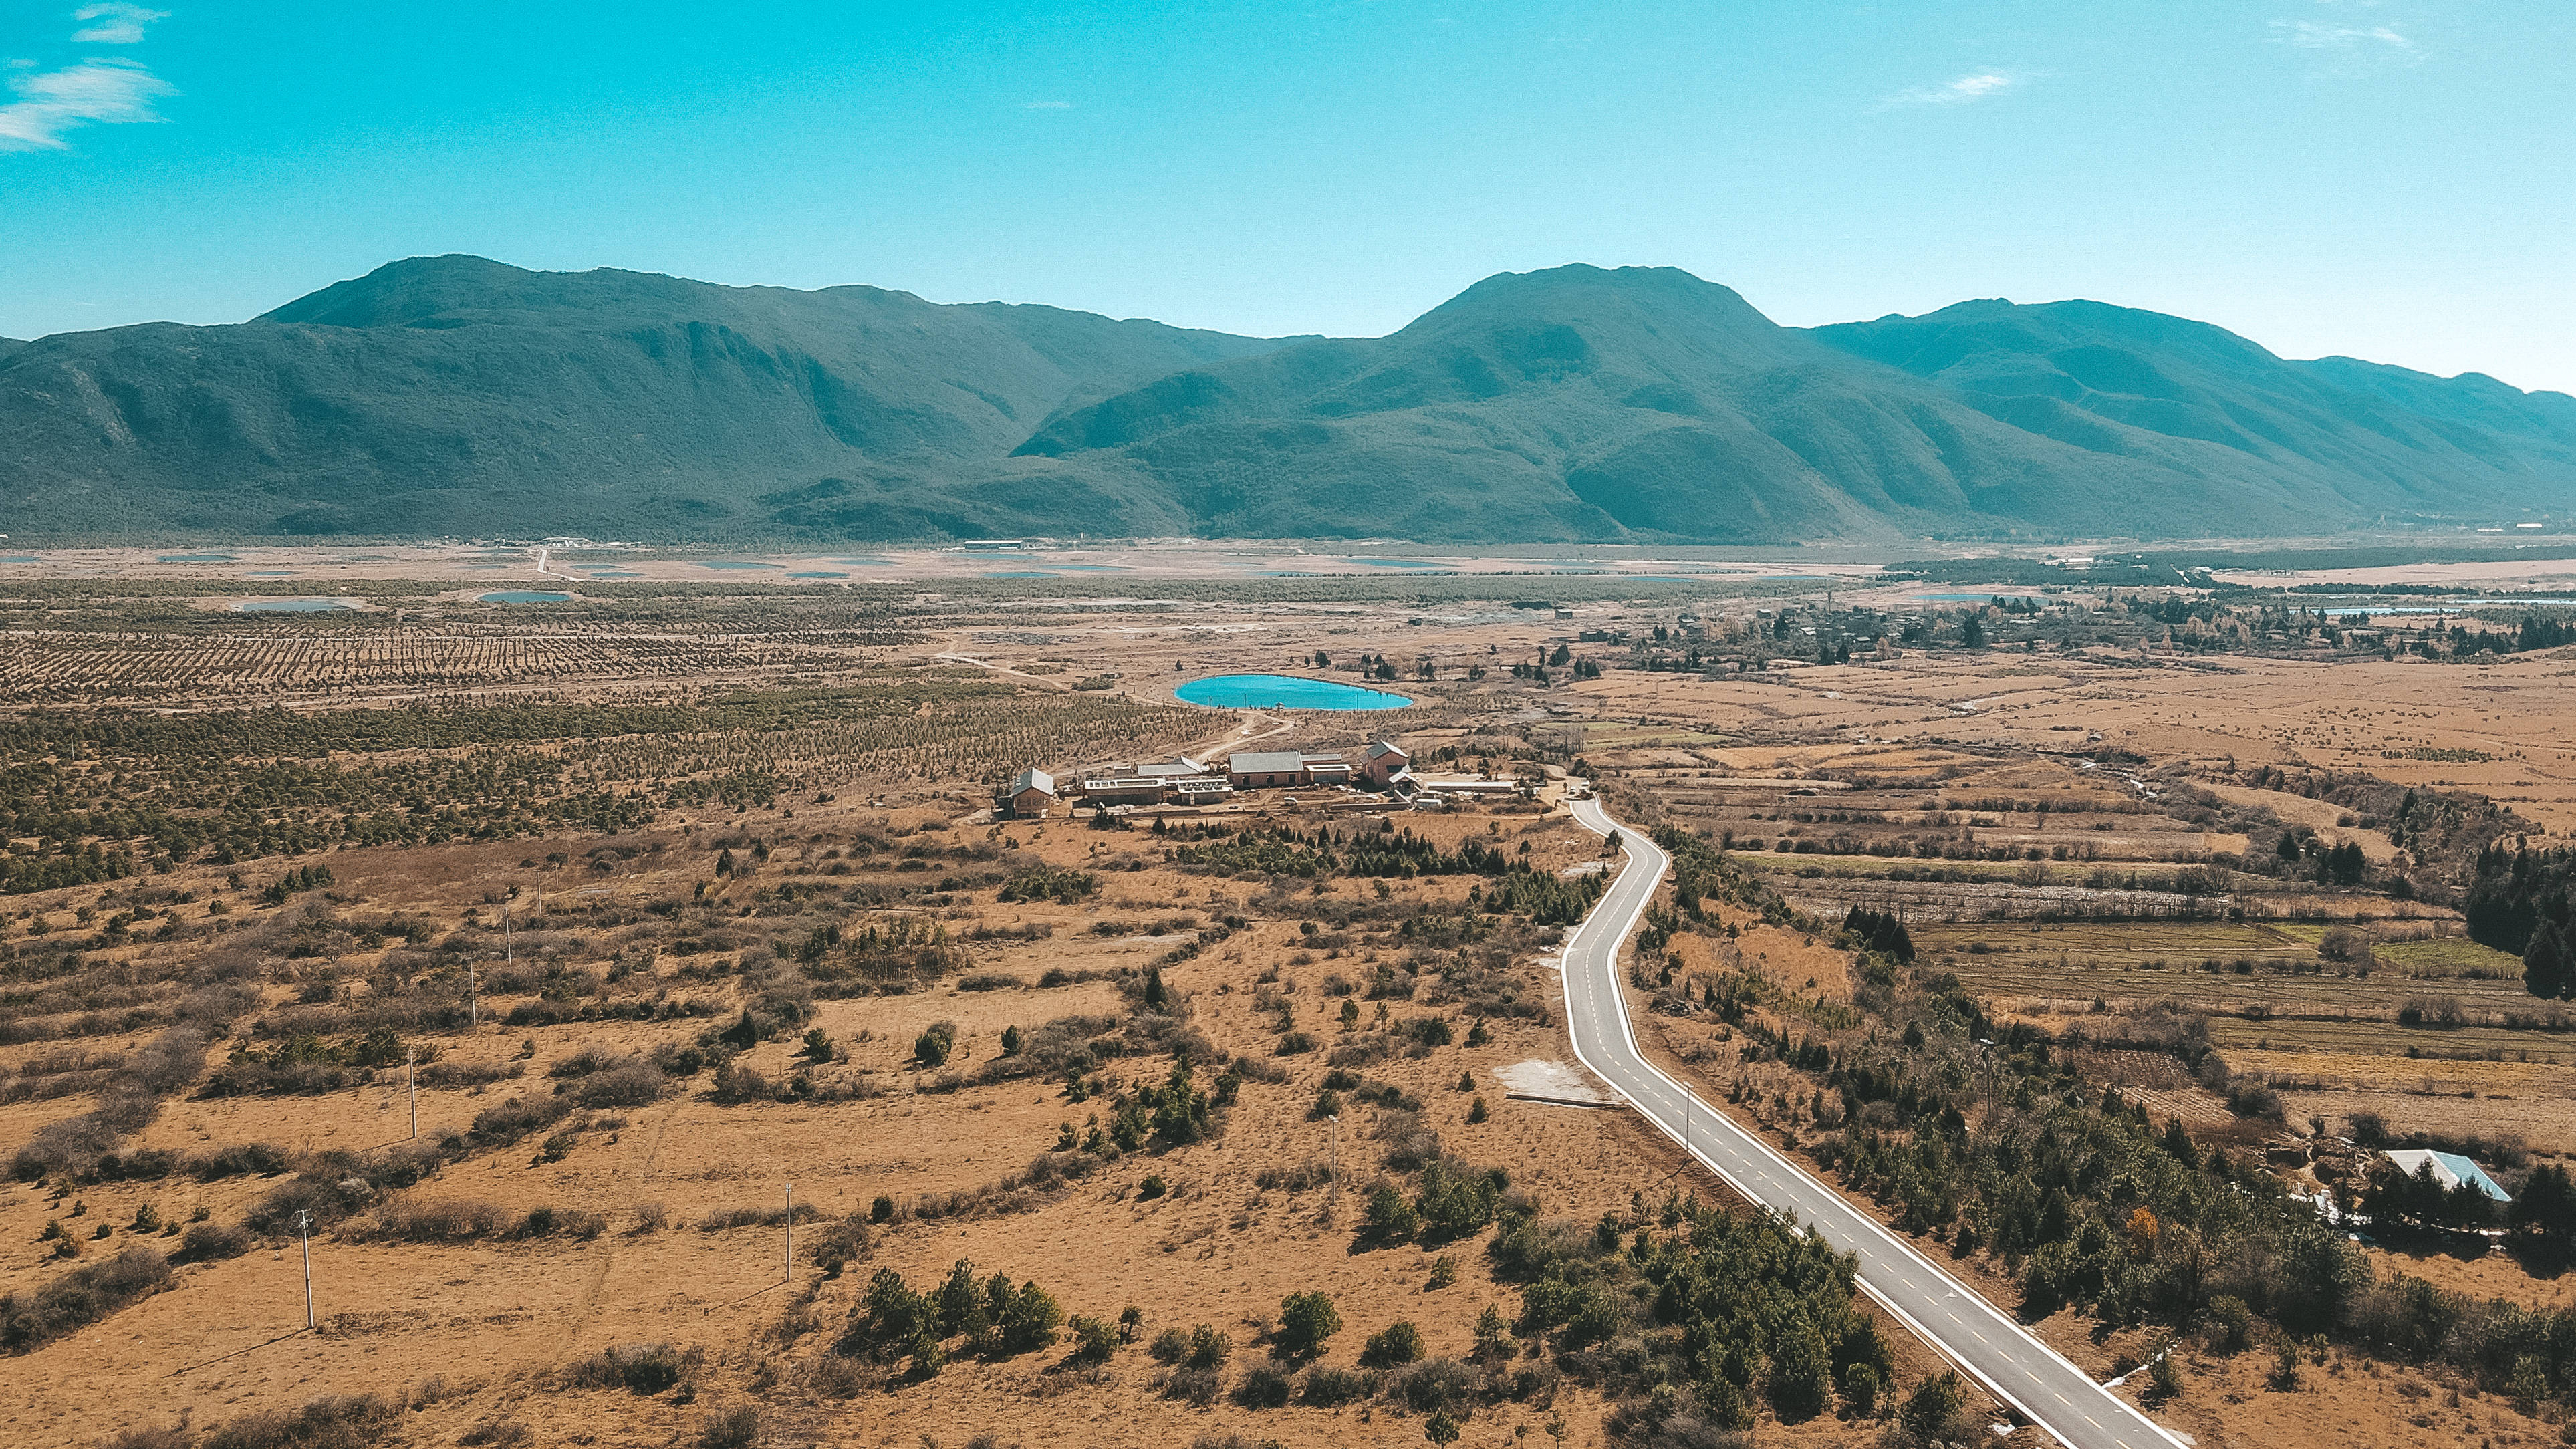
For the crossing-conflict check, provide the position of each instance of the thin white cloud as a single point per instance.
(2350, 50)
(1046, 105)
(90, 93)
(1967, 89)
(114, 24)
(2350, 42)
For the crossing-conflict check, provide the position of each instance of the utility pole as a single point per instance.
(1337, 1154)
(791, 1233)
(304, 1229)
(411, 1081)
(473, 997)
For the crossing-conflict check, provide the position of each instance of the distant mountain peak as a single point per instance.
(457, 394)
(1577, 282)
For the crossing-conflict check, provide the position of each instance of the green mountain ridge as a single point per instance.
(459, 396)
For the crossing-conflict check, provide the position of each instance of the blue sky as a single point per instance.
(2391, 180)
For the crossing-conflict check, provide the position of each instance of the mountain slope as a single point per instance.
(453, 394)
(1648, 402)
(2351, 438)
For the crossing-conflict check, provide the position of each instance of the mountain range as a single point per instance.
(454, 396)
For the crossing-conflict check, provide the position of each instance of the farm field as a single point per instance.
(668, 884)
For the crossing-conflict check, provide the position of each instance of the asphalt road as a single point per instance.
(1981, 1340)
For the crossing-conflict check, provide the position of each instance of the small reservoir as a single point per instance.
(524, 596)
(1283, 691)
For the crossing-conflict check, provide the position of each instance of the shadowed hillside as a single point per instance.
(453, 394)
(459, 396)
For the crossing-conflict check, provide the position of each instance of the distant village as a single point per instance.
(1384, 769)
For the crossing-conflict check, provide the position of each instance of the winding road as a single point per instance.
(1972, 1333)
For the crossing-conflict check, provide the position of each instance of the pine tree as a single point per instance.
(2544, 962)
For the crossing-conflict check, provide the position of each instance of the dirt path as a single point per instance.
(969, 659)
(598, 1279)
(1244, 734)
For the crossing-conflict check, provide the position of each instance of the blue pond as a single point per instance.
(525, 596)
(197, 558)
(818, 574)
(1283, 691)
(288, 606)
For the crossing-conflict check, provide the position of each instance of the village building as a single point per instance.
(1265, 769)
(1198, 791)
(1122, 789)
(1469, 789)
(1276, 769)
(1029, 796)
(1382, 761)
(2450, 1169)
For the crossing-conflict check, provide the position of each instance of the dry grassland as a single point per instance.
(489, 1332)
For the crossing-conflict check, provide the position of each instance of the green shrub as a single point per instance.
(1065, 887)
(1030, 1319)
(1329, 1388)
(2230, 1323)
(933, 1046)
(1306, 1320)
(1396, 1344)
(1861, 1388)
(1094, 1340)
(1936, 1409)
(1263, 1387)
(1389, 1216)
(1208, 1349)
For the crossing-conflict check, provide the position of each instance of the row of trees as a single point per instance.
(2545, 1209)
(895, 1324)
(2520, 901)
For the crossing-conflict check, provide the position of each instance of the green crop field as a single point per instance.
(2278, 995)
(2127, 943)
(2387, 1039)
(2448, 956)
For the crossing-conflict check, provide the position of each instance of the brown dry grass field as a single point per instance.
(624, 941)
